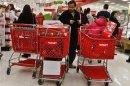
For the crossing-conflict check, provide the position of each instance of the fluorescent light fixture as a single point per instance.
(124, 0)
(112, 3)
(128, 2)
(107, 1)
(117, 4)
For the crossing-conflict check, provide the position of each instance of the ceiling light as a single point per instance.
(124, 0)
(121, 6)
(128, 2)
(117, 4)
(112, 3)
(106, 1)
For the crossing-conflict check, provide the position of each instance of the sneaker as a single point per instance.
(72, 66)
(128, 61)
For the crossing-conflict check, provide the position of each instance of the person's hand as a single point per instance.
(79, 21)
(71, 21)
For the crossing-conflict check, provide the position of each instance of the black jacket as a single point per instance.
(27, 18)
(105, 14)
(66, 16)
(84, 19)
(117, 27)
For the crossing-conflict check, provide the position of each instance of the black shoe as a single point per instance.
(128, 61)
(25, 56)
(72, 66)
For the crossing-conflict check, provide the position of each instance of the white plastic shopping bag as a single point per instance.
(51, 67)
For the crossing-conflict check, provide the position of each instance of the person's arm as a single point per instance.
(63, 18)
(20, 19)
(34, 19)
(98, 14)
(54, 17)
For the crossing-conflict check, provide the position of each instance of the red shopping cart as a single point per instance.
(54, 45)
(99, 49)
(24, 40)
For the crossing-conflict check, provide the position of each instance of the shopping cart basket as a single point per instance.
(24, 40)
(2, 34)
(54, 45)
(95, 48)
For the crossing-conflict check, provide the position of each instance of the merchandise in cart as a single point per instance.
(96, 49)
(24, 40)
(54, 47)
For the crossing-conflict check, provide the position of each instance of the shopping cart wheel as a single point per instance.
(40, 81)
(8, 71)
(106, 83)
(58, 83)
(34, 74)
(89, 83)
(77, 70)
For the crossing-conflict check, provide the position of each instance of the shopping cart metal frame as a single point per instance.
(88, 69)
(64, 65)
(24, 32)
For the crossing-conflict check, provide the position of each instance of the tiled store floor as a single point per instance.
(20, 76)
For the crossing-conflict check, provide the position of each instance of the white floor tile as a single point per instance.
(20, 76)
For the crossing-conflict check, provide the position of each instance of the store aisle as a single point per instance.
(118, 68)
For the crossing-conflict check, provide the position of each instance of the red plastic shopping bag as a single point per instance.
(107, 33)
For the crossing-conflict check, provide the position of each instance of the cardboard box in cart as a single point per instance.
(51, 67)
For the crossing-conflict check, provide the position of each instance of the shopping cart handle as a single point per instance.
(21, 24)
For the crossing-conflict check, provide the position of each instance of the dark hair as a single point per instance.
(86, 11)
(3, 6)
(113, 13)
(27, 9)
(72, 2)
(12, 6)
(106, 6)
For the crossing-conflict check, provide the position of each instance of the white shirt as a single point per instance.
(90, 18)
(12, 16)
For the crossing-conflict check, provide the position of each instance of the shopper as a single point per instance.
(2, 10)
(89, 15)
(12, 15)
(104, 12)
(58, 13)
(83, 18)
(113, 18)
(72, 18)
(27, 17)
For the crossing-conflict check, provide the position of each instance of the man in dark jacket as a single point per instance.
(72, 18)
(104, 12)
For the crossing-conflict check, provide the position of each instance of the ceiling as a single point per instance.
(113, 4)
(119, 4)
